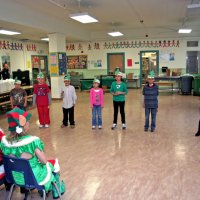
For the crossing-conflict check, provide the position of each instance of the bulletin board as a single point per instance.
(62, 63)
(77, 62)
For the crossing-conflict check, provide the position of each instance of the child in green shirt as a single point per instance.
(118, 90)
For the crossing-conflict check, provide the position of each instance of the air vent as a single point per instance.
(192, 43)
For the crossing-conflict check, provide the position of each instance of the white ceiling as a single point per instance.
(134, 18)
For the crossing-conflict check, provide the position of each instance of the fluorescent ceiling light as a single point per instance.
(45, 39)
(184, 30)
(83, 18)
(115, 34)
(194, 5)
(7, 32)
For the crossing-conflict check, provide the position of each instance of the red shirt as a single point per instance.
(41, 92)
(1, 135)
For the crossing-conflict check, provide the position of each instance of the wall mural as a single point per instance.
(125, 44)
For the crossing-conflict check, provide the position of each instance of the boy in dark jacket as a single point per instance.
(150, 92)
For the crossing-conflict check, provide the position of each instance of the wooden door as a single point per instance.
(115, 60)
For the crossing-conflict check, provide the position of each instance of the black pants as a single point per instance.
(121, 105)
(68, 113)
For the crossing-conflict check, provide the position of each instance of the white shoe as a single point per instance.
(93, 127)
(114, 126)
(100, 127)
(41, 126)
(123, 126)
(46, 125)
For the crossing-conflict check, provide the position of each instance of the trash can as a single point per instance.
(186, 84)
(196, 91)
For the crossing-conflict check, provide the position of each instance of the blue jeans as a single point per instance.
(153, 112)
(96, 113)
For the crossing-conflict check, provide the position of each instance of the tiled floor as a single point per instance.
(126, 165)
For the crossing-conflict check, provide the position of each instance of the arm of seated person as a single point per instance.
(41, 156)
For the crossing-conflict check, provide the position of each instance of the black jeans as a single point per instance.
(68, 113)
(121, 105)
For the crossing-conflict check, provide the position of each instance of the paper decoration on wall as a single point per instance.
(15, 46)
(96, 46)
(70, 47)
(80, 47)
(129, 63)
(126, 45)
(31, 47)
(89, 47)
(141, 44)
(7, 45)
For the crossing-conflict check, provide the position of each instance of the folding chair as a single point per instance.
(22, 168)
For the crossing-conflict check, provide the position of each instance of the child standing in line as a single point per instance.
(42, 98)
(18, 96)
(96, 104)
(118, 90)
(150, 92)
(68, 94)
(198, 132)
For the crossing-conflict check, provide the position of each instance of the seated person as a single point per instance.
(21, 145)
(18, 96)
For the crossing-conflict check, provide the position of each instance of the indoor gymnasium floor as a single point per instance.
(125, 164)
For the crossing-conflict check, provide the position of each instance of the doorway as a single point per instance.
(149, 60)
(39, 63)
(115, 60)
(193, 62)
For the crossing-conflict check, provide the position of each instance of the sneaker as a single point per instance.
(93, 127)
(100, 127)
(63, 126)
(146, 129)
(197, 134)
(41, 126)
(152, 130)
(114, 126)
(124, 126)
(46, 125)
(72, 126)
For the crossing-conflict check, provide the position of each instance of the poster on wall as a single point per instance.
(129, 63)
(172, 56)
(99, 63)
(62, 63)
(167, 56)
(53, 65)
(77, 62)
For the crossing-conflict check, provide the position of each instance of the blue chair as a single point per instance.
(22, 168)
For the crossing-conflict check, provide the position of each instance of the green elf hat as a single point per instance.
(96, 81)
(17, 81)
(118, 73)
(17, 119)
(67, 77)
(151, 74)
(40, 75)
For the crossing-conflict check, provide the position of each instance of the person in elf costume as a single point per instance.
(42, 98)
(22, 145)
(150, 93)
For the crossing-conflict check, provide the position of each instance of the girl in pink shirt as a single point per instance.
(96, 104)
